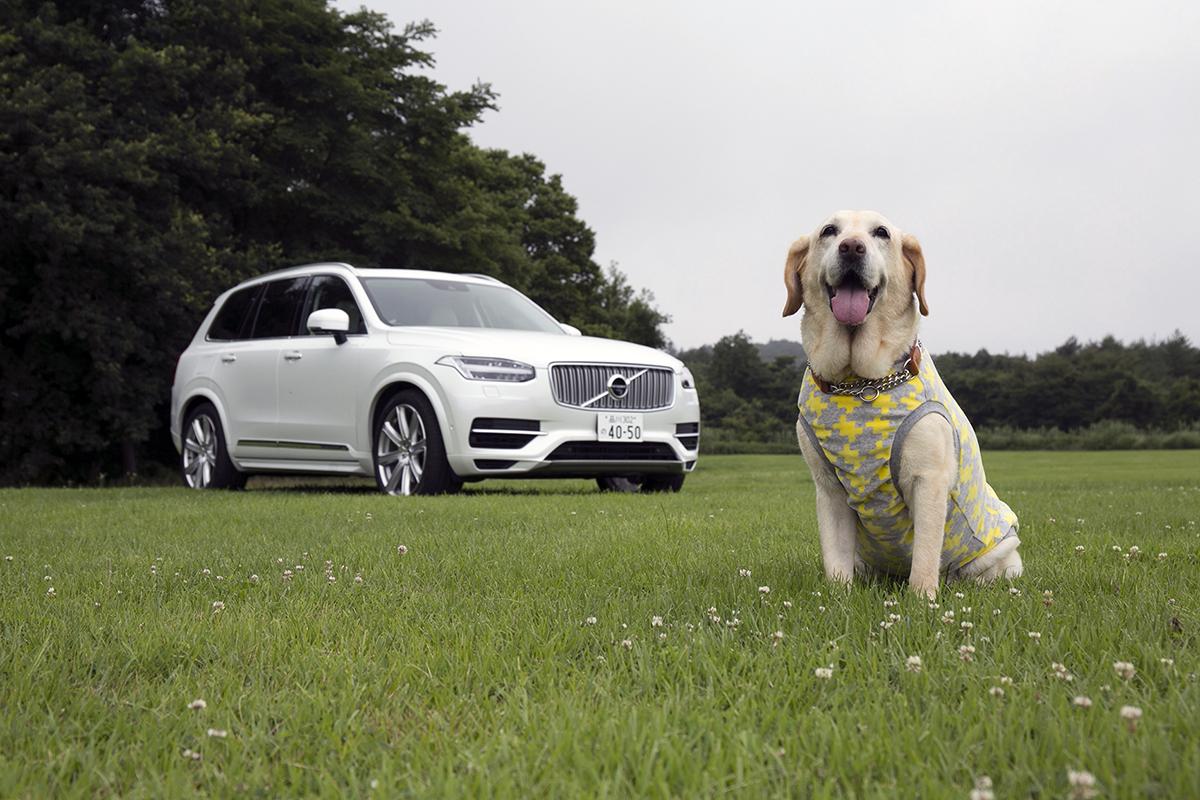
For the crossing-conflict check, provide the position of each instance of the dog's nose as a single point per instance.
(852, 247)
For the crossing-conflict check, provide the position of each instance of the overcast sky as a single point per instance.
(1047, 155)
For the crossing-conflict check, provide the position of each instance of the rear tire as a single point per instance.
(410, 454)
(647, 484)
(204, 459)
(662, 483)
(617, 484)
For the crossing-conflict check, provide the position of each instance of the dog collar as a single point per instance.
(867, 389)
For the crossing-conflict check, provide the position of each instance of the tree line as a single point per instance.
(1093, 394)
(155, 152)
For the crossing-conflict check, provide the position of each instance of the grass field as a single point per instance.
(467, 666)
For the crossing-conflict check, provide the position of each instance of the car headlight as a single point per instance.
(688, 381)
(489, 369)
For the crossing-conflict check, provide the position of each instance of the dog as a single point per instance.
(899, 481)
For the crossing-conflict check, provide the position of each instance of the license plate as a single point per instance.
(619, 427)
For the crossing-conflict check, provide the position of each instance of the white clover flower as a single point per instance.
(890, 603)
(1083, 784)
(358, 579)
(191, 754)
(777, 636)
(1134, 550)
(1048, 598)
(959, 595)
(590, 621)
(934, 606)
(51, 593)
(206, 571)
(913, 663)
(995, 612)
(217, 733)
(402, 549)
(733, 622)
(966, 652)
(983, 789)
(1124, 669)
(743, 573)
(996, 691)
(885, 624)
(947, 617)
(198, 705)
(1061, 672)
(279, 561)
(220, 577)
(331, 578)
(8, 558)
(217, 607)
(47, 578)
(824, 673)
(1162, 556)
(1167, 662)
(764, 590)
(787, 603)
(965, 625)
(1131, 715)
(821, 609)
(662, 637)
(1079, 548)
(656, 622)
(254, 579)
(1081, 701)
(287, 574)
(1014, 591)
(1116, 548)
(1035, 635)
(627, 644)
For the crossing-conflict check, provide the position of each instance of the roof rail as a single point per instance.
(302, 266)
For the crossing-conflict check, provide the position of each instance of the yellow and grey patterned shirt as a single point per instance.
(862, 441)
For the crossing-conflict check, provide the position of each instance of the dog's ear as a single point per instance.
(793, 270)
(916, 259)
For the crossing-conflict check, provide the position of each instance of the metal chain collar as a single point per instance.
(868, 389)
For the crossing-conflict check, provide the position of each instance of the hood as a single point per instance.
(531, 347)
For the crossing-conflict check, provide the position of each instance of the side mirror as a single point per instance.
(570, 330)
(330, 320)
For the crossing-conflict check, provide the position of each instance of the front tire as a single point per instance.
(410, 455)
(204, 460)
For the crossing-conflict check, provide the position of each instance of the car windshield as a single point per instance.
(455, 304)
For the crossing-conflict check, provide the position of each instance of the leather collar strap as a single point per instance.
(867, 389)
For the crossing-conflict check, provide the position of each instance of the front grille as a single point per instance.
(501, 433)
(586, 386)
(613, 451)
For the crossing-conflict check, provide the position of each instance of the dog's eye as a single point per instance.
(881, 232)
(829, 230)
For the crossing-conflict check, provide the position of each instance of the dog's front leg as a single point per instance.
(926, 469)
(836, 521)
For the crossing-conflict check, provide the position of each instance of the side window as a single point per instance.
(230, 322)
(279, 308)
(329, 291)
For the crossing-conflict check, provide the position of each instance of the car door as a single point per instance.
(321, 381)
(248, 369)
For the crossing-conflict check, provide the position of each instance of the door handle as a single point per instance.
(293, 355)
(229, 358)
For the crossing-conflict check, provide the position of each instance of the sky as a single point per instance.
(1046, 155)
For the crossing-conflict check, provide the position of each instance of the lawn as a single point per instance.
(515, 648)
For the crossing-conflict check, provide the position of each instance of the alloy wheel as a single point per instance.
(400, 450)
(200, 452)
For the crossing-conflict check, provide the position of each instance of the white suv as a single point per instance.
(423, 380)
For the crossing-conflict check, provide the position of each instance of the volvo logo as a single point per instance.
(618, 386)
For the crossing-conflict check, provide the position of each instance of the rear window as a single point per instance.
(279, 308)
(230, 322)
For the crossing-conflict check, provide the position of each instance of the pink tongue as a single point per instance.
(850, 304)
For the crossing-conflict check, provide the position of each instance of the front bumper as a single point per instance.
(565, 442)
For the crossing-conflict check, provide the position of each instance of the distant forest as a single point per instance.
(1094, 395)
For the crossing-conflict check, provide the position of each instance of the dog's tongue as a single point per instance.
(850, 304)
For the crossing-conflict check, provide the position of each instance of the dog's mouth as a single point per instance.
(851, 301)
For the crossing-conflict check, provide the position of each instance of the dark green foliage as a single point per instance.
(154, 153)
(1095, 396)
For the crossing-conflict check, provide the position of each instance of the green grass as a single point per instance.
(465, 668)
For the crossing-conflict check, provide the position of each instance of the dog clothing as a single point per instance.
(861, 442)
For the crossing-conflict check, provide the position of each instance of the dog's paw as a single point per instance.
(924, 589)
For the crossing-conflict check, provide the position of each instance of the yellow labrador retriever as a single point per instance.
(900, 483)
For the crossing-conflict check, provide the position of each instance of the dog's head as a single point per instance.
(854, 263)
